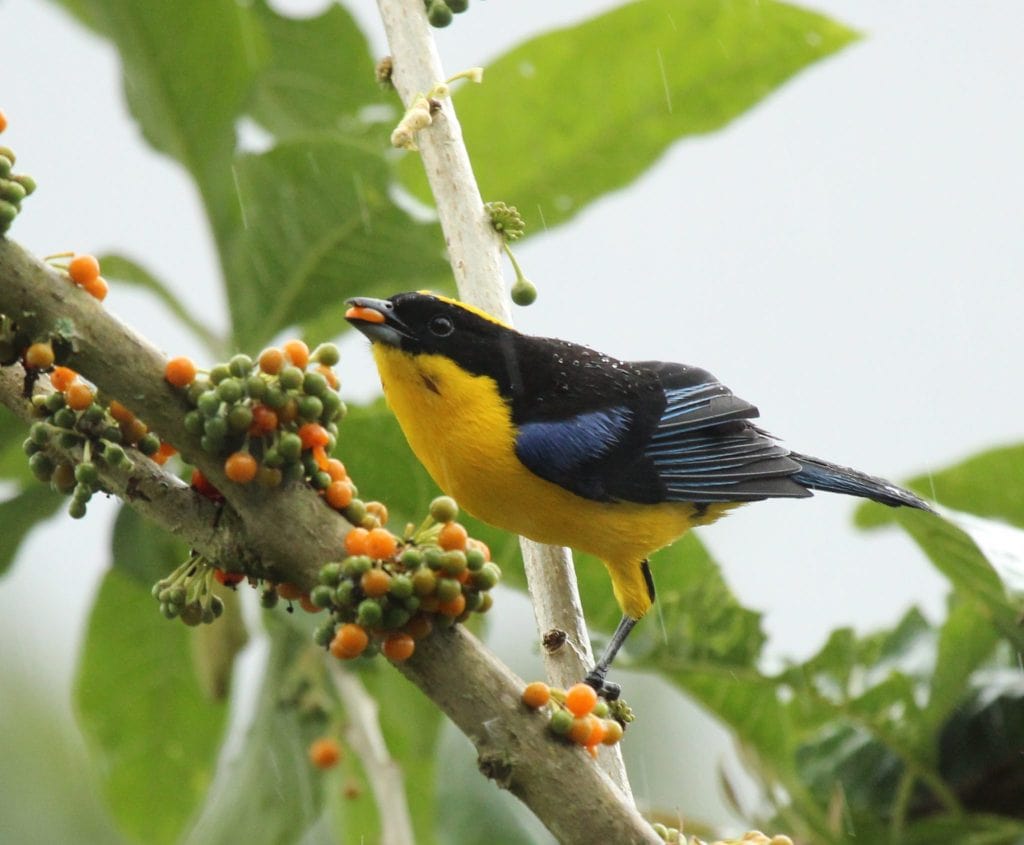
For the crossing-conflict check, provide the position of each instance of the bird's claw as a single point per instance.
(608, 690)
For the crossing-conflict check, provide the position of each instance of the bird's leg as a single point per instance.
(596, 676)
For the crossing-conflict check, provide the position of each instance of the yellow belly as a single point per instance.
(459, 426)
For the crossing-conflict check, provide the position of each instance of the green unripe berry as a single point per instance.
(292, 472)
(94, 413)
(291, 378)
(76, 510)
(396, 617)
(486, 602)
(169, 611)
(209, 403)
(217, 606)
(324, 633)
(256, 387)
(54, 402)
(473, 599)
(115, 455)
(524, 292)
(412, 558)
(29, 447)
(42, 466)
(290, 446)
(330, 573)
(453, 563)
(27, 182)
(344, 594)
(39, 433)
(314, 384)
(356, 510)
(326, 354)
(219, 373)
(561, 721)
(439, 14)
(275, 398)
(400, 586)
(475, 560)
(272, 458)
(197, 389)
(487, 577)
(458, 6)
(444, 509)
(192, 614)
(86, 473)
(322, 595)
(448, 589)
(600, 709)
(176, 595)
(320, 480)
(424, 582)
(65, 418)
(12, 191)
(230, 390)
(332, 405)
(240, 418)
(194, 422)
(240, 365)
(369, 613)
(149, 444)
(68, 440)
(433, 557)
(216, 428)
(356, 565)
(310, 408)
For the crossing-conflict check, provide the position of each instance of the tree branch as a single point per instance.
(287, 535)
(474, 249)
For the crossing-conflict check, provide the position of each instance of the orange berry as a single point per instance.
(298, 352)
(580, 699)
(339, 495)
(264, 420)
(480, 546)
(381, 544)
(375, 582)
(320, 456)
(133, 430)
(330, 375)
(419, 626)
(452, 536)
(61, 378)
(355, 541)
(83, 269)
(398, 647)
(324, 752)
(180, 372)
(453, 607)
(307, 604)
(289, 591)
(79, 396)
(241, 467)
(613, 732)
(119, 412)
(97, 288)
(271, 360)
(350, 641)
(596, 731)
(228, 579)
(536, 695)
(379, 510)
(580, 730)
(336, 470)
(165, 451)
(313, 434)
(201, 484)
(3, 120)
(39, 355)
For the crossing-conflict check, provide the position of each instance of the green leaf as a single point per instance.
(149, 728)
(125, 270)
(318, 75)
(576, 113)
(20, 514)
(13, 462)
(319, 226)
(269, 792)
(143, 552)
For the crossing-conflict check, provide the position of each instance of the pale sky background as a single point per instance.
(847, 255)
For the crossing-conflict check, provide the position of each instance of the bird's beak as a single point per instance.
(376, 319)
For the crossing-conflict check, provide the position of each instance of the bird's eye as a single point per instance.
(441, 326)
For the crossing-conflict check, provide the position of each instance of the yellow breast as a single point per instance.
(460, 428)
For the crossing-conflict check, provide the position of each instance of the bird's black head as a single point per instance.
(425, 323)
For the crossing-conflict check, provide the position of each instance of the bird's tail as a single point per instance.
(821, 475)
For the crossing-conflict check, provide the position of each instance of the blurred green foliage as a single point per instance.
(910, 735)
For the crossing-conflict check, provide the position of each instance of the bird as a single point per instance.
(571, 447)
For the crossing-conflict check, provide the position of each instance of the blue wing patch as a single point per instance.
(562, 450)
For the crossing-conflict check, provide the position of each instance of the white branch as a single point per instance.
(474, 250)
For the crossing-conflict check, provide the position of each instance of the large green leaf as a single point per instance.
(143, 552)
(269, 792)
(318, 74)
(20, 514)
(123, 269)
(150, 730)
(319, 226)
(13, 462)
(573, 114)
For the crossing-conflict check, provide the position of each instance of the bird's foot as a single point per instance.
(608, 690)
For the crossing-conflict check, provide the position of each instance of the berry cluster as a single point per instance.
(440, 12)
(187, 593)
(577, 714)
(73, 416)
(386, 594)
(272, 420)
(13, 188)
(84, 271)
